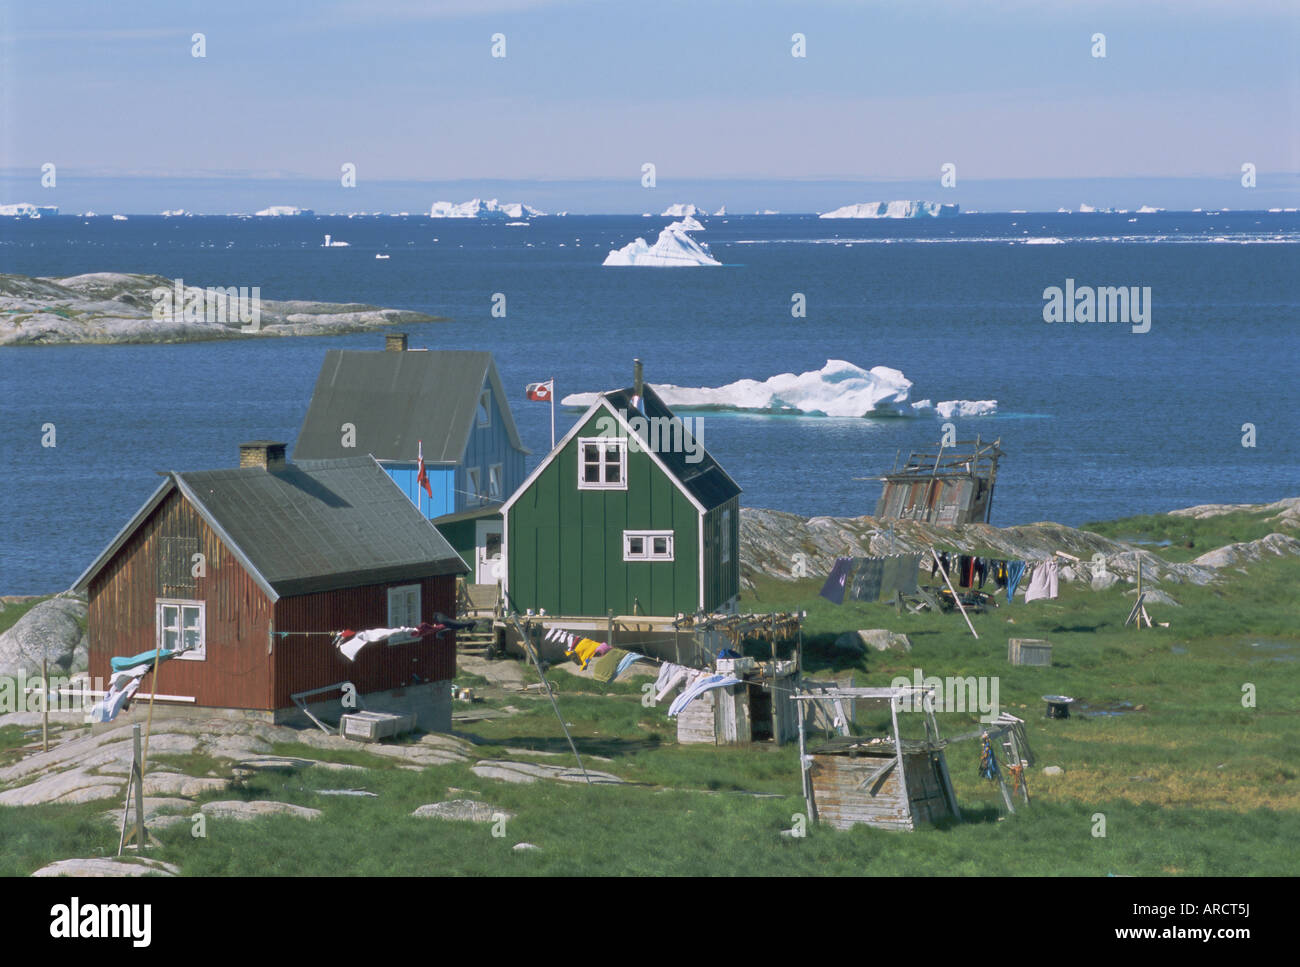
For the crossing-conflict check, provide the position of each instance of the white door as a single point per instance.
(487, 552)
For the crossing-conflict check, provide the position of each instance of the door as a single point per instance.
(487, 552)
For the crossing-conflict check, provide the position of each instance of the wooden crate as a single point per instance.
(1029, 651)
(373, 726)
(843, 800)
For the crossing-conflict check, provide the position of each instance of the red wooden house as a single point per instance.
(249, 570)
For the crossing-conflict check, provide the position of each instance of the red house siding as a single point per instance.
(244, 667)
(123, 605)
(304, 662)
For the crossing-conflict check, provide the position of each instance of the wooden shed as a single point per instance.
(249, 572)
(761, 708)
(884, 781)
(947, 486)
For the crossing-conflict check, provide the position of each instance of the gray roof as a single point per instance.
(308, 527)
(396, 399)
(705, 479)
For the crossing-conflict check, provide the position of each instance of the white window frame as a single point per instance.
(475, 476)
(197, 653)
(647, 547)
(495, 481)
(603, 442)
(726, 536)
(395, 621)
(483, 416)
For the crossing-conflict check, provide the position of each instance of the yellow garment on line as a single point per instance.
(584, 649)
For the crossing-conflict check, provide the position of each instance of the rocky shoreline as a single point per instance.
(117, 307)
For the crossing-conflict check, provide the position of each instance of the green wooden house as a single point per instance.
(628, 514)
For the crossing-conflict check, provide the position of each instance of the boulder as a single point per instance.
(1154, 596)
(238, 809)
(879, 639)
(105, 866)
(526, 772)
(469, 810)
(54, 629)
(1053, 771)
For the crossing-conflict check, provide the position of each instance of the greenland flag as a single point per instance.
(422, 478)
(539, 391)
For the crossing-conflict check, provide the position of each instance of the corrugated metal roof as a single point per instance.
(704, 479)
(396, 399)
(321, 525)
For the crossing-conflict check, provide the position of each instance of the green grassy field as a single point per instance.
(1191, 782)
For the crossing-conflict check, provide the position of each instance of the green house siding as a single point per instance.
(565, 545)
(721, 579)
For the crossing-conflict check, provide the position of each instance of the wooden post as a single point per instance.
(45, 704)
(902, 771)
(134, 782)
(955, 597)
(809, 804)
(153, 693)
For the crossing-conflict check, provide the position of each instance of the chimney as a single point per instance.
(267, 454)
(638, 384)
(395, 342)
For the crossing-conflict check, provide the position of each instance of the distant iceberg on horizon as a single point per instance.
(894, 209)
(283, 211)
(838, 389)
(673, 248)
(478, 208)
(681, 210)
(26, 209)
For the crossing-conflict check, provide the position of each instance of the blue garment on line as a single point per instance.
(701, 686)
(627, 659)
(145, 657)
(1014, 571)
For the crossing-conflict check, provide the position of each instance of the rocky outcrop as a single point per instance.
(55, 630)
(467, 810)
(1286, 512)
(786, 546)
(116, 307)
(1235, 555)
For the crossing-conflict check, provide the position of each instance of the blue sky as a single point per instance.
(590, 91)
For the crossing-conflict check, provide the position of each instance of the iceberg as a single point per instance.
(673, 248)
(119, 218)
(679, 211)
(174, 212)
(838, 389)
(1148, 210)
(283, 211)
(721, 211)
(28, 210)
(894, 209)
(478, 208)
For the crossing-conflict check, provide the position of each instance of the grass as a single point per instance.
(1194, 783)
(1187, 537)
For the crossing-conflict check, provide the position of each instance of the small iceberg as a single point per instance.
(119, 218)
(894, 209)
(282, 211)
(838, 389)
(720, 212)
(478, 208)
(378, 255)
(331, 242)
(683, 211)
(674, 247)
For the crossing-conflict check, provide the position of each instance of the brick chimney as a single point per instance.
(395, 342)
(267, 454)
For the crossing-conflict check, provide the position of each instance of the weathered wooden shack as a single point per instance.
(627, 515)
(251, 571)
(761, 708)
(949, 485)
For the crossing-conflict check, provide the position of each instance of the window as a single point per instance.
(726, 535)
(180, 627)
(476, 483)
(494, 481)
(647, 545)
(404, 606)
(485, 408)
(602, 463)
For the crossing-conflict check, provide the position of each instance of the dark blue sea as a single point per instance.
(1096, 421)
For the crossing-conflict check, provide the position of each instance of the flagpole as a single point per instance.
(552, 381)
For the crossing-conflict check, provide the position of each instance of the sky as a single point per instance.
(707, 91)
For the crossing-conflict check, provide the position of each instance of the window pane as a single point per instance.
(636, 546)
(591, 473)
(170, 639)
(612, 451)
(661, 546)
(590, 453)
(191, 615)
(611, 472)
(191, 639)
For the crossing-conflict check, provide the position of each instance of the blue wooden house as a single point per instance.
(388, 403)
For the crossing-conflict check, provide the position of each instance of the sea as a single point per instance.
(1096, 421)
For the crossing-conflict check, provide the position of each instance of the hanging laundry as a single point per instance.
(585, 650)
(698, 688)
(1015, 569)
(145, 658)
(670, 676)
(121, 687)
(350, 642)
(630, 658)
(605, 668)
(833, 589)
(867, 575)
(981, 571)
(1043, 584)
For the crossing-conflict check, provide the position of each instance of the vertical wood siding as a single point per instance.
(123, 608)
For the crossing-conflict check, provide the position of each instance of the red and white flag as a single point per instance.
(540, 392)
(422, 478)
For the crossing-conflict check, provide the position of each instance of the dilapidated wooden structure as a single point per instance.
(758, 709)
(884, 781)
(947, 486)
